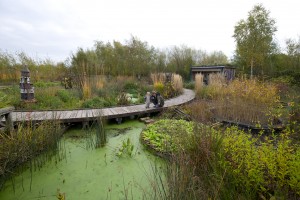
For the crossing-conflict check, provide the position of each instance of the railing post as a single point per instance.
(9, 122)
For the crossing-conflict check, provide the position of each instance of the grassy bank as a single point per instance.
(228, 163)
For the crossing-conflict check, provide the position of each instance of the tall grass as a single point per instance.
(199, 111)
(86, 88)
(177, 83)
(167, 88)
(194, 172)
(198, 82)
(242, 100)
(95, 132)
(25, 143)
(158, 77)
(216, 80)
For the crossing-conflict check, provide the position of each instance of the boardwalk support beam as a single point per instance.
(119, 120)
(85, 124)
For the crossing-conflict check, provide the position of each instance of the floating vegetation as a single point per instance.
(118, 131)
(167, 135)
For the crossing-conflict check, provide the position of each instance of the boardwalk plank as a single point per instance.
(79, 113)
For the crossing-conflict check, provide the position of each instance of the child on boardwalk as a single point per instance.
(147, 98)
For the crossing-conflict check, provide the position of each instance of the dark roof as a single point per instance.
(25, 69)
(210, 68)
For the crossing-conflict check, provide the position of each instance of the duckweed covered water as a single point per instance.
(89, 173)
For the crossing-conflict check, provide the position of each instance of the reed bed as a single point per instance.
(244, 101)
(26, 143)
(95, 133)
(249, 101)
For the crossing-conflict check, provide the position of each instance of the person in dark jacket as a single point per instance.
(157, 99)
(154, 99)
(160, 100)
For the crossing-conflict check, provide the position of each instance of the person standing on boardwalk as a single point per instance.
(148, 98)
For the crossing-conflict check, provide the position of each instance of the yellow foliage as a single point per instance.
(159, 87)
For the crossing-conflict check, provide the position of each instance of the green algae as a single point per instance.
(89, 173)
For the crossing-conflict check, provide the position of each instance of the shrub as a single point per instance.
(123, 99)
(96, 102)
(266, 167)
(64, 95)
(159, 87)
(131, 85)
(189, 85)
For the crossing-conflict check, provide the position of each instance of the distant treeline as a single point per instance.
(131, 58)
(137, 58)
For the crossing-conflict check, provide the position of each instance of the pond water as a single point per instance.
(89, 173)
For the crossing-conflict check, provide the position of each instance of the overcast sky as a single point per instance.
(56, 28)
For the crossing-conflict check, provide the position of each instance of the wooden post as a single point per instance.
(9, 122)
(7, 114)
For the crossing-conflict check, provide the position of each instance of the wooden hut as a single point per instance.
(228, 71)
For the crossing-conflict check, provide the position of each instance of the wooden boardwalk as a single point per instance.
(84, 115)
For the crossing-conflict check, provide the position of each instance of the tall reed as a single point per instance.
(158, 78)
(26, 143)
(177, 83)
(95, 132)
(216, 80)
(198, 82)
(192, 173)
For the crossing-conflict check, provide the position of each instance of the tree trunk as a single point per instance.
(251, 75)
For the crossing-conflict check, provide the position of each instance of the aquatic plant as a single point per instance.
(166, 135)
(95, 133)
(126, 149)
(26, 143)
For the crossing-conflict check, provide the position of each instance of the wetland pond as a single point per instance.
(90, 173)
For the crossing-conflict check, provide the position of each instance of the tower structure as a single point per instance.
(26, 88)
